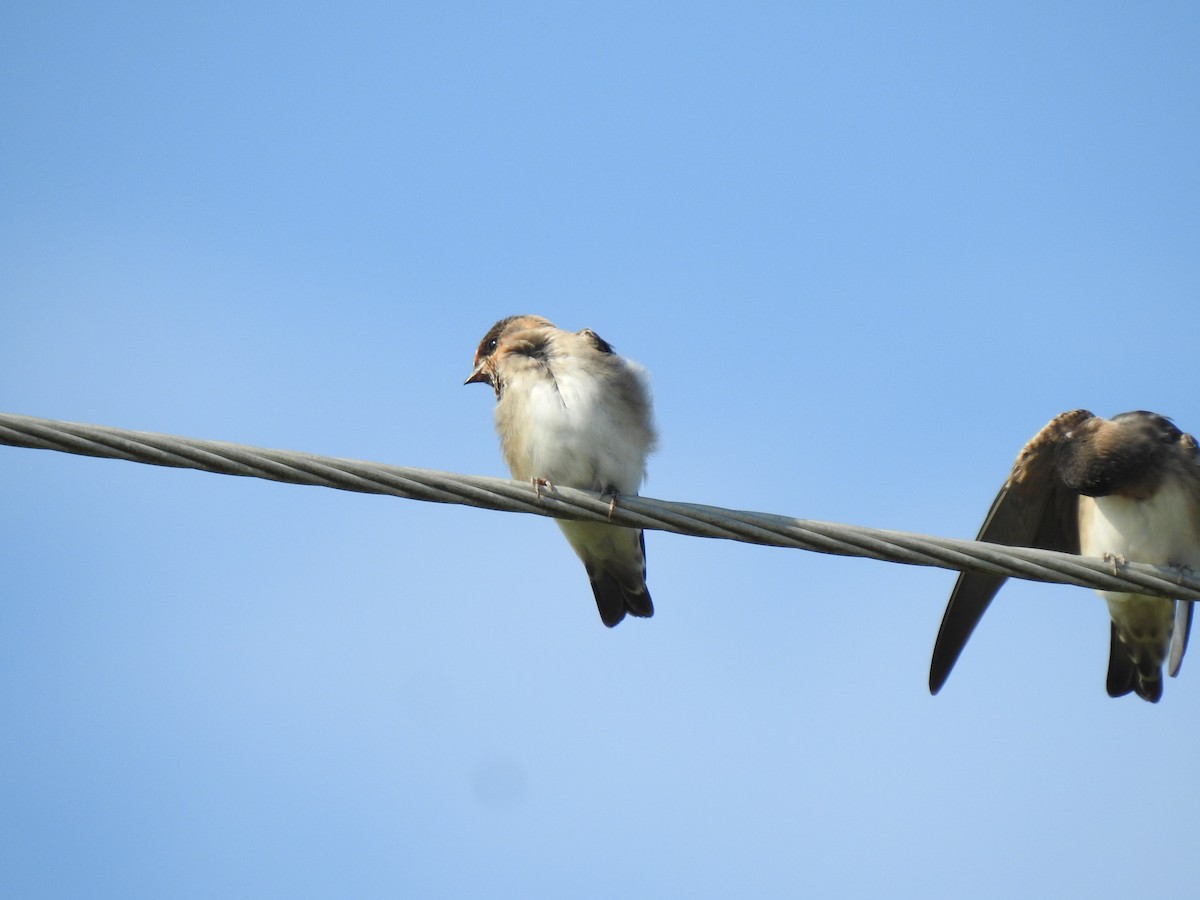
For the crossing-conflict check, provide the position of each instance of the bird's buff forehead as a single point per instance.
(507, 326)
(490, 349)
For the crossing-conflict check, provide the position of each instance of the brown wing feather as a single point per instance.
(1033, 509)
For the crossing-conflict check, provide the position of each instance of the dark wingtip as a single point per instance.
(1121, 673)
(972, 594)
(1150, 691)
(1123, 676)
(940, 667)
(639, 604)
(1179, 636)
(614, 600)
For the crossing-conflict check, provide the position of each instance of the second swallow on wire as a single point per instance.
(1125, 489)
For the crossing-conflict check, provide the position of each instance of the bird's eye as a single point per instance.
(489, 347)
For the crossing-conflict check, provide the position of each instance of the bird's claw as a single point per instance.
(1116, 560)
(612, 494)
(539, 483)
(1184, 571)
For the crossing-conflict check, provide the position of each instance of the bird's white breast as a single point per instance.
(1160, 530)
(574, 427)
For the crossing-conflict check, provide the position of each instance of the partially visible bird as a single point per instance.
(1125, 489)
(571, 412)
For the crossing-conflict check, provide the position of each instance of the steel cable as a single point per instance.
(563, 502)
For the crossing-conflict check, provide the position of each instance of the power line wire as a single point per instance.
(562, 502)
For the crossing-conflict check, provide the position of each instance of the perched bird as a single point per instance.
(571, 412)
(1125, 489)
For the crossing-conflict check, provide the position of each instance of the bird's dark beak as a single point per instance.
(480, 375)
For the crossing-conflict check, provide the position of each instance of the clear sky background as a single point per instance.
(864, 250)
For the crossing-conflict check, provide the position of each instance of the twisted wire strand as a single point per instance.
(562, 502)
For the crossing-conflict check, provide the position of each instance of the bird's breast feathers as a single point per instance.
(577, 427)
(1160, 530)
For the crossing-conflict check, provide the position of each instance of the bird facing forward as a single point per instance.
(1125, 489)
(571, 412)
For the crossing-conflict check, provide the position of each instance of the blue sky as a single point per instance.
(864, 251)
